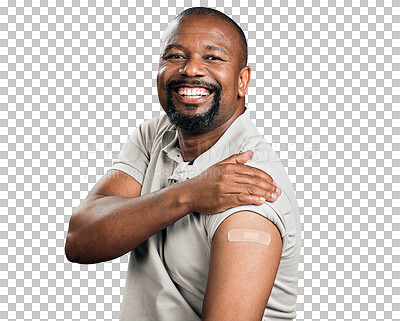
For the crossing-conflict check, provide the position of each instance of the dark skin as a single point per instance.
(186, 56)
(114, 218)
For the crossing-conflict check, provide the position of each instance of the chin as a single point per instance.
(190, 121)
(186, 115)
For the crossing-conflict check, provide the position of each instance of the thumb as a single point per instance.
(238, 158)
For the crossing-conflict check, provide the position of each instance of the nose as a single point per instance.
(193, 67)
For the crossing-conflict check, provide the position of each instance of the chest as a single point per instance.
(183, 246)
(186, 253)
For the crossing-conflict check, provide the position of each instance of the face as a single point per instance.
(200, 82)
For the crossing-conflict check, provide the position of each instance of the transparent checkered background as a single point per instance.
(77, 77)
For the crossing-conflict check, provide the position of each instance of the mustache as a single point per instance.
(200, 83)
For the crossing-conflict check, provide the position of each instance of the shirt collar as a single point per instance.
(169, 140)
(229, 143)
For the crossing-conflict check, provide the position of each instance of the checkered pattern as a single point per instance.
(77, 76)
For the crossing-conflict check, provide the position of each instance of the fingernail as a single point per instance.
(273, 196)
(262, 199)
(278, 190)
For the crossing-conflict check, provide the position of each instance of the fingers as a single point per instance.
(254, 181)
(251, 181)
(245, 199)
(270, 193)
(257, 197)
(254, 172)
(242, 184)
(238, 158)
(258, 184)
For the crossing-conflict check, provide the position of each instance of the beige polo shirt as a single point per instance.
(167, 274)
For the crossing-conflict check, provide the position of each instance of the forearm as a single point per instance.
(108, 227)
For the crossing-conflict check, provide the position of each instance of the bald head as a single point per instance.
(191, 13)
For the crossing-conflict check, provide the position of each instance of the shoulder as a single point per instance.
(153, 127)
(284, 212)
(150, 133)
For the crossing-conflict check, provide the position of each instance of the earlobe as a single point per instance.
(244, 79)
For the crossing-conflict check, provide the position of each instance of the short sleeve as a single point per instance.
(277, 212)
(135, 154)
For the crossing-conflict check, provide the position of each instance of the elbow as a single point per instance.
(73, 242)
(77, 244)
(73, 251)
(75, 254)
(70, 248)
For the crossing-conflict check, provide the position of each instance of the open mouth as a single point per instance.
(193, 91)
(192, 94)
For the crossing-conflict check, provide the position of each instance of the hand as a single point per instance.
(228, 184)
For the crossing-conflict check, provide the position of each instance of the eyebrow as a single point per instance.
(216, 48)
(209, 47)
(173, 46)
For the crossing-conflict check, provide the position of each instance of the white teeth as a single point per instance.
(192, 92)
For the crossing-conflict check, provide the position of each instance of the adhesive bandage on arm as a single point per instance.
(247, 235)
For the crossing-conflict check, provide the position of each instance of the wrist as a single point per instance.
(185, 198)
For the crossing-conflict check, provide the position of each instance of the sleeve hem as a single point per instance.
(131, 171)
(264, 210)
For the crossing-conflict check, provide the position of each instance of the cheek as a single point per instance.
(229, 86)
(161, 88)
(164, 74)
(228, 80)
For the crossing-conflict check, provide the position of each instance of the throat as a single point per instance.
(192, 146)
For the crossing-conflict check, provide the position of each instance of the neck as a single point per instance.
(194, 144)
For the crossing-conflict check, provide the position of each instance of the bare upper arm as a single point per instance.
(241, 274)
(82, 244)
(113, 183)
(116, 183)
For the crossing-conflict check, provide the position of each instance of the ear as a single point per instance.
(244, 79)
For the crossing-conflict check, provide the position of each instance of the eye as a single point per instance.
(173, 56)
(213, 58)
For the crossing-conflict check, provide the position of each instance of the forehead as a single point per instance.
(207, 29)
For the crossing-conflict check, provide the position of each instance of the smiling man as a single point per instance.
(212, 236)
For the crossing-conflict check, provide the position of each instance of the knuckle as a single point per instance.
(251, 189)
(241, 197)
(256, 180)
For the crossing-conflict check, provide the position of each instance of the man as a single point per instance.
(206, 232)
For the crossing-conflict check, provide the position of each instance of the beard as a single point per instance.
(197, 122)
